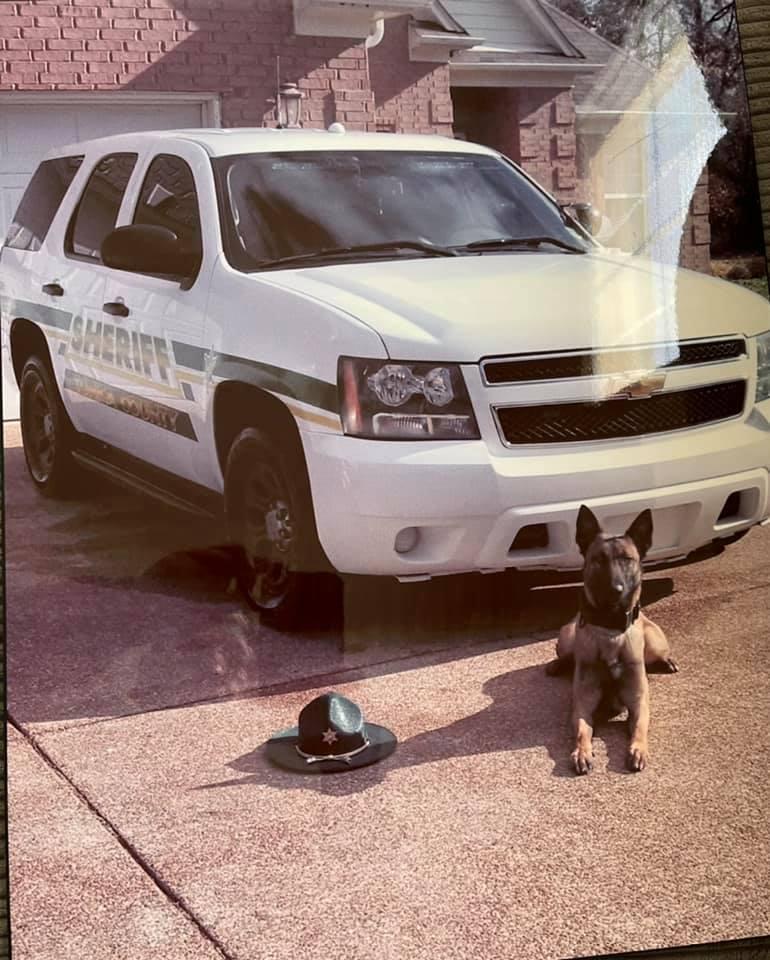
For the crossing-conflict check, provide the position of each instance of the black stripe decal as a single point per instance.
(297, 386)
(317, 393)
(38, 313)
(158, 414)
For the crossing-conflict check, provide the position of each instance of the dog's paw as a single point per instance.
(582, 760)
(637, 758)
(662, 665)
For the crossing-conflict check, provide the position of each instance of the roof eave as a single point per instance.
(518, 74)
(437, 46)
(601, 121)
(356, 18)
(543, 19)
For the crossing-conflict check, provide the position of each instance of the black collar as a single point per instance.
(599, 618)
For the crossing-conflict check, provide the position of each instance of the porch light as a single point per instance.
(288, 108)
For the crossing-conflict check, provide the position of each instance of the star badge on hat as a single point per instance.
(331, 736)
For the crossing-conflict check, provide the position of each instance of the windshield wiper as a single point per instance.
(354, 250)
(496, 243)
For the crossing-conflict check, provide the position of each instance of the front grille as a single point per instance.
(591, 363)
(618, 418)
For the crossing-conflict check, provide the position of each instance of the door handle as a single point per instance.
(53, 289)
(116, 309)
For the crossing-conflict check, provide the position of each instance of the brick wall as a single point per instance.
(217, 46)
(547, 142)
(695, 250)
(409, 97)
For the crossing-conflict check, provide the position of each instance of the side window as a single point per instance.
(98, 208)
(42, 198)
(168, 199)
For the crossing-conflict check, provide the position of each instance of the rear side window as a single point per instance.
(42, 198)
(99, 205)
(168, 199)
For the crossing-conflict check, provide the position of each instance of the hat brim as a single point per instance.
(281, 750)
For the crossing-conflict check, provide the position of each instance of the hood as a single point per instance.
(463, 309)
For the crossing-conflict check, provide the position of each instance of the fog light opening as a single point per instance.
(532, 537)
(732, 508)
(406, 539)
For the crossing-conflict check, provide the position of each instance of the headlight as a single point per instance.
(386, 400)
(763, 367)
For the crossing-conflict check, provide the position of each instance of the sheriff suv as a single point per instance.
(377, 354)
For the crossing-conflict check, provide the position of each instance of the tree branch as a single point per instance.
(722, 13)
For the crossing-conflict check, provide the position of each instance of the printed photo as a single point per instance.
(386, 410)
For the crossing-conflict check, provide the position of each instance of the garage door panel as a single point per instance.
(140, 118)
(30, 132)
(11, 191)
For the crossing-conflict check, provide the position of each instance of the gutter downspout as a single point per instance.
(375, 34)
(374, 39)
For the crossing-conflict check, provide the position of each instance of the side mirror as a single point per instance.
(586, 215)
(145, 248)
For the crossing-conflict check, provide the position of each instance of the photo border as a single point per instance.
(753, 18)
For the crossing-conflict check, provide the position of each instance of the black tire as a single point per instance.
(46, 431)
(269, 515)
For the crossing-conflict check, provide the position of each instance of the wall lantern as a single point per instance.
(288, 107)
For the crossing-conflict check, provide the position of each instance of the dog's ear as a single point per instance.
(587, 529)
(640, 532)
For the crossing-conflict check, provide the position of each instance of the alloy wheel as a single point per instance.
(38, 428)
(269, 535)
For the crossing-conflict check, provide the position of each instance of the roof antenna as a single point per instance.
(278, 91)
(275, 102)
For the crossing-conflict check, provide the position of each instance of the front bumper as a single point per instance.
(468, 503)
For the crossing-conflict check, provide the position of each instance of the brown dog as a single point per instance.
(611, 642)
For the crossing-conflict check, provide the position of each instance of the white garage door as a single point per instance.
(29, 130)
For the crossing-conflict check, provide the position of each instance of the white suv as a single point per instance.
(380, 354)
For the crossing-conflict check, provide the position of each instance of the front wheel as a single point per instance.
(46, 431)
(269, 515)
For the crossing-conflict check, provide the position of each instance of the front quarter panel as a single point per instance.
(282, 341)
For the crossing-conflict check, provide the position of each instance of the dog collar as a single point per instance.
(597, 618)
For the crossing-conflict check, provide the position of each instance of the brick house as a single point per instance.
(508, 73)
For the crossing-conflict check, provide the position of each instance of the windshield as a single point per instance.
(290, 205)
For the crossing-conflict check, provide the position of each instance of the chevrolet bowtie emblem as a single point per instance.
(636, 386)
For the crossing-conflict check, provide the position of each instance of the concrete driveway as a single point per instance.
(145, 821)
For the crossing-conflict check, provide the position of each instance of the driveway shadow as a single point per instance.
(117, 605)
(85, 647)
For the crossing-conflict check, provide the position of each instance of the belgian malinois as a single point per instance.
(610, 641)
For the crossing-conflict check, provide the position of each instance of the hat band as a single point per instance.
(315, 758)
